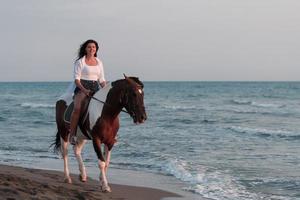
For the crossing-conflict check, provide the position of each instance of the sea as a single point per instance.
(219, 140)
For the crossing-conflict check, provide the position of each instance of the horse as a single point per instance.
(100, 123)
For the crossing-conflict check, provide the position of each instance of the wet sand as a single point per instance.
(25, 183)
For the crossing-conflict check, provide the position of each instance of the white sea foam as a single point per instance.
(37, 105)
(242, 102)
(257, 104)
(266, 105)
(179, 107)
(248, 130)
(211, 184)
(244, 111)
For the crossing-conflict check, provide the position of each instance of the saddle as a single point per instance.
(83, 113)
(68, 113)
(90, 111)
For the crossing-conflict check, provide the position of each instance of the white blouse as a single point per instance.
(87, 72)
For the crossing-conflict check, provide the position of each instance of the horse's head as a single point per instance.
(133, 99)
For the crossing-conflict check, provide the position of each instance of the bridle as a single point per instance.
(125, 111)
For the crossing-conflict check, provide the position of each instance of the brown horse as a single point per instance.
(100, 123)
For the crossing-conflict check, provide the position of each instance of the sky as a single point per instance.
(155, 40)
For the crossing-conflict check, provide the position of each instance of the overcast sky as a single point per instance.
(192, 40)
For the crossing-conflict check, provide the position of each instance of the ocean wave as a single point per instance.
(195, 95)
(277, 184)
(251, 110)
(261, 132)
(9, 148)
(179, 107)
(132, 165)
(208, 121)
(241, 102)
(184, 121)
(212, 184)
(37, 105)
(48, 156)
(22, 149)
(245, 111)
(43, 122)
(274, 182)
(256, 104)
(268, 112)
(267, 105)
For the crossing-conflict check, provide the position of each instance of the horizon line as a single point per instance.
(39, 81)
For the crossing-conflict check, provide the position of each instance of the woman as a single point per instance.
(88, 74)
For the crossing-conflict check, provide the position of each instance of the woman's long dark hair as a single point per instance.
(81, 51)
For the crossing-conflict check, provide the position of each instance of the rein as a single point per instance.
(106, 103)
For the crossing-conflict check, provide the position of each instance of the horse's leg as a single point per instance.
(101, 162)
(107, 157)
(64, 150)
(77, 151)
(103, 179)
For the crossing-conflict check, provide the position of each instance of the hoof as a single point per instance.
(105, 189)
(68, 180)
(82, 178)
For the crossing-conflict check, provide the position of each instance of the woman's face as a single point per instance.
(91, 49)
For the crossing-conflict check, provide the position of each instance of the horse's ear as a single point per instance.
(129, 80)
(134, 81)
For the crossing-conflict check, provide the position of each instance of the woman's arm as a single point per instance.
(101, 79)
(77, 76)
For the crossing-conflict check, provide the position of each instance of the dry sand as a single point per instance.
(24, 183)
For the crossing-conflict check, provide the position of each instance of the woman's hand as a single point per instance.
(102, 84)
(87, 92)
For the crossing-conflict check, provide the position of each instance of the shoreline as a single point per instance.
(116, 176)
(23, 183)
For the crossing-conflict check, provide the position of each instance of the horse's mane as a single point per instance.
(135, 79)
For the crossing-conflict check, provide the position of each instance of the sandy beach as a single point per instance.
(25, 183)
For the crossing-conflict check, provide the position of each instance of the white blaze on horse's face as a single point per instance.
(135, 104)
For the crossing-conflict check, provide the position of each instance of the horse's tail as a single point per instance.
(56, 143)
(61, 126)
